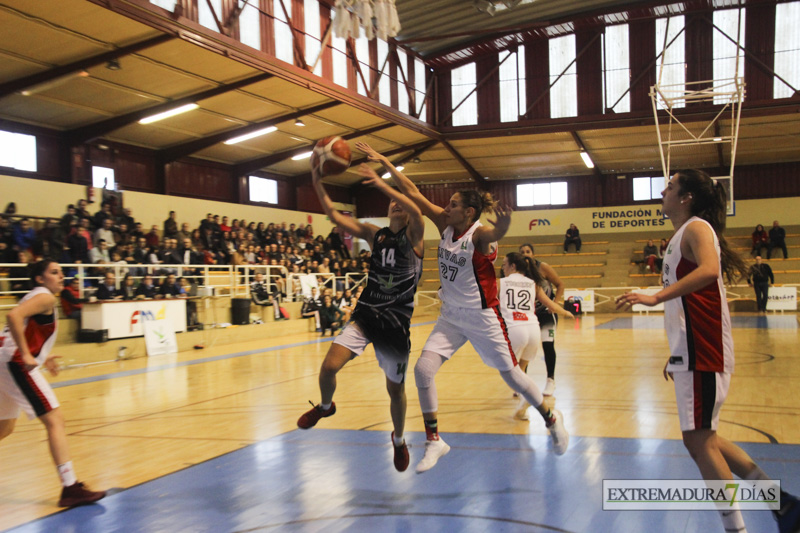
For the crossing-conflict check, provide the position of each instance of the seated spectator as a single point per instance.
(128, 287)
(102, 215)
(760, 240)
(223, 227)
(311, 306)
(146, 289)
(24, 236)
(650, 256)
(185, 233)
(330, 316)
(99, 254)
(170, 288)
(573, 236)
(71, 301)
(152, 237)
(261, 295)
(7, 254)
(662, 250)
(104, 233)
(108, 289)
(777, 239)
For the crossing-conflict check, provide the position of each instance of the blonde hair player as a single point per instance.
(520, 291)
(25, 345)
(470, 310)
(382, 315)
(698, 328)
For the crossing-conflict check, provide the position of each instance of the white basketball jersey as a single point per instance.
(698, 324)
(39, 330)
(517, 297)
(467, 276)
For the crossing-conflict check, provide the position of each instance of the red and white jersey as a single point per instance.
(698, 324)
(467, 276)
(517, 300)
(40, 332)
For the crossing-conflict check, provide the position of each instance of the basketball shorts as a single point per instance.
(485, 329)
(548, 322)
(26, 391)
(525, 340)
(700, 396)
(392, 346)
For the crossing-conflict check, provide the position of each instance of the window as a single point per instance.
(205, 17)
(531, 194)
(564, 94)
(18, 151)
(284, 40)
(402, 91)
(103, 178)
(362, 53)
(617, 71)
(420, 86)
(385, 82)
(313, 43)
(512, 85)
(725, 64)
(340, 61)
(169, 5)
(462, 81)
(250, 25)
(263, 190)
(647, 188)
(787, 48)
(674, 72)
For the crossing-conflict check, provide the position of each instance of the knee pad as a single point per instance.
(425, 369)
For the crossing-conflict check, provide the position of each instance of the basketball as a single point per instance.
(331, 155)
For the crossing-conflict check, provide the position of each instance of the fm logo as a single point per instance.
(538, 222)
(145, 315)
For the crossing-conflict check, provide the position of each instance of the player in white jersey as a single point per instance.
(520, 291)
(470, 310)
(699, 332)
(25, 344)
(382, 315)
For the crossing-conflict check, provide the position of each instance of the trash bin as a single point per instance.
(240, 311)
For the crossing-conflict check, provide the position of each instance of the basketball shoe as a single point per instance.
(78, 494)
(549, 387)
(401, 458)
(558, 434)
(312, 416)
(434, 450)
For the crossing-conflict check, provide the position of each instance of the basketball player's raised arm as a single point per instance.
(350, 225)
(485, 235)
(407, 187)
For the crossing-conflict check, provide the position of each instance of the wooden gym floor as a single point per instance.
(206, 440)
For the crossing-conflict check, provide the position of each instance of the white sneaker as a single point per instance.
(549, 387)
(434, 449)
(559, 435)
(522, 409)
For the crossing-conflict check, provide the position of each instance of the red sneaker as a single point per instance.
(312, 416)
(400, 455)
(79, 494)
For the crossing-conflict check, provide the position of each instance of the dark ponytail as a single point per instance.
(38, 269)
(525, 266)
(480, 201)
(709, 201)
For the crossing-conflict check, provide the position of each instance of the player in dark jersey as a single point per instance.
(383, 313)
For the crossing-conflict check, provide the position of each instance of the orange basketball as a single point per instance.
(331, 155)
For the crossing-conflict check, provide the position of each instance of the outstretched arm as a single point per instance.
(416, 225)
(551, 305)
(407, 187)
(484, 236)
(350, 225)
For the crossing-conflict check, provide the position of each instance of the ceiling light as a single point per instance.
(304, 155)
(55, 82)
(251, 135)
(400, 168)
(167, 114)
(416, 160)
(717, 139)
(386, 176)
(113, 64)
(389, 175)
(587, 160)
(511, 3)
(299, 123)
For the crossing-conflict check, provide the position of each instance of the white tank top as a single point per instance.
(517, 297)
(698, 324)
(39, 330)
(467, 276)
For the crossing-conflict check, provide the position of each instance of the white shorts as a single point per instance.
(700, 396)
(485, 329)
(525, 340)
(391, 350)
(26, 391)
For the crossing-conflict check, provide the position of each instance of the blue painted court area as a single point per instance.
(338, 480)
(738, 322)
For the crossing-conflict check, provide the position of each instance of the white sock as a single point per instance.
(398, 440)
(757, 474)
(324, 406)
(67, 474)
(732, 520)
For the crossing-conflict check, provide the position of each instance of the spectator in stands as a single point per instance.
(24, 236)
(760, 240)
(573, 236)
(102, 215)
(261, 295)
(760, 277)
(650, 256)
(81, 211)
(777, 239)
(311, 306)
(152, 237)
(71, 301)
(337, 243)
(224, 226)
(128, 287)
(127, 218)
(69, 215)
(99, 254)
(146, 289)
(11, 209)
(171, 226)
(77, 245)
(330, 316)
(104, 233)
(185, 233)
(7, 254)
(207, 223)
(662, 250)
(108, 289)
(170, 288)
